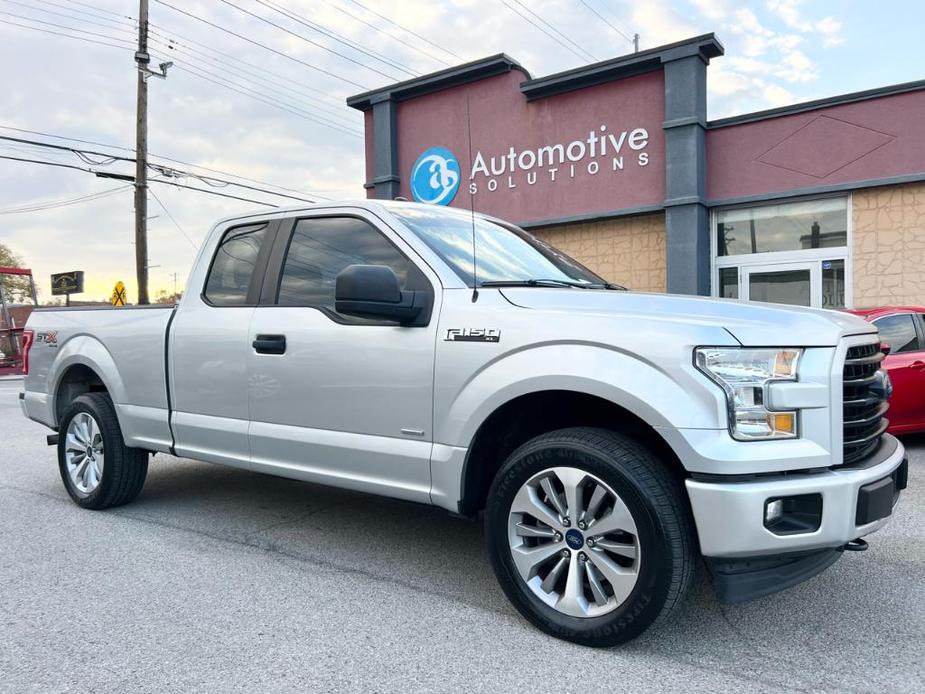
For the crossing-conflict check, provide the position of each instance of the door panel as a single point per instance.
(349, 401)
(209, 348)
(906, 366)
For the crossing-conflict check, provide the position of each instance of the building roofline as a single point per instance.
(804, 106)
(497, 64)
(706, 46)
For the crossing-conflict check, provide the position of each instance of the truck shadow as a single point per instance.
(825, 629)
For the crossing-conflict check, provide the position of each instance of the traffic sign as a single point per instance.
(118, 294)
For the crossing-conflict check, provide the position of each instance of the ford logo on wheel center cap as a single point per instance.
(574, 539)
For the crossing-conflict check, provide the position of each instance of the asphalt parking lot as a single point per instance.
(218, 580)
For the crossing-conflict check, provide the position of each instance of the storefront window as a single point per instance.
(791, 226)
(833, 284)
(729, 283)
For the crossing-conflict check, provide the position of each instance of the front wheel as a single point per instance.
(97, 468)
(589, 535)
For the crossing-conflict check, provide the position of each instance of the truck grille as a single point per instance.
(864, 402)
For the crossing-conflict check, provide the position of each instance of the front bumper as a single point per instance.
(730, 515)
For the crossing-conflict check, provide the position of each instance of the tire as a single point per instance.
(115, 473)
(655, 546)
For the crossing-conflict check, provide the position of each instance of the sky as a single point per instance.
(275, 112)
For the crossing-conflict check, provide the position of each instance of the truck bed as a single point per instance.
(126, 346)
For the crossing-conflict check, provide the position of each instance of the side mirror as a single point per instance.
(885, 348)
(372, 291)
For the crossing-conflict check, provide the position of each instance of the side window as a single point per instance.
(320, 248)
(233, 266)
(899, 333)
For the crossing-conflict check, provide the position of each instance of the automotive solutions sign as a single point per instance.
(603, 152)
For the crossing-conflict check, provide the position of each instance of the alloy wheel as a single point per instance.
(83, 453)
(574, 542)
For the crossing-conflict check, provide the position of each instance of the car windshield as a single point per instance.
(505, 254)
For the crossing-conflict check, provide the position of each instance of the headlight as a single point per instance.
(744, 374)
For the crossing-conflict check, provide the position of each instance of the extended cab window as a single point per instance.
(233, 267)
(899, 333)
(321, 247)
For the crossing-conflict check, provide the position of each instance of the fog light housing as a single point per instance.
(793, 515)
(773, 510)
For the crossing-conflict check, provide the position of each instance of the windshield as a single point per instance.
(503, 253)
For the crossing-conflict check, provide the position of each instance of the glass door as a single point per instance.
(797, 284)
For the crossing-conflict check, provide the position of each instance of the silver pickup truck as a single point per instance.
(609, 438)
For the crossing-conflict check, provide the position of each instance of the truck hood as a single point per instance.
(751, 323)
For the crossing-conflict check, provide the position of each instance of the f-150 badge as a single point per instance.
(473, 335)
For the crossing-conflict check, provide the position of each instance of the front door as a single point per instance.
(333, 398)
(903, 332)
(797, 284)
(209, 346)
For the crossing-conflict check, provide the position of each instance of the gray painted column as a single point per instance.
(687, 219)
(386, 180)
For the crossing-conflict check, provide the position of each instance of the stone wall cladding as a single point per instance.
(889, 245)
(628, 250)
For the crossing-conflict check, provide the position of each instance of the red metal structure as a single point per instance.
(17, 299)
(903, 329)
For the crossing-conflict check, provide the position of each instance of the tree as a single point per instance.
(17, 289)
(164, 298)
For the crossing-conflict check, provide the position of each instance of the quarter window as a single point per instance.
(233, 267)
(320, 248)
(899, 333)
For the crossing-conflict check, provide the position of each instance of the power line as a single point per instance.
(52, 204)
(99, 9)
(264, 98)
(158, 156)
(185, 55)
(237, 62)
(58, 33)
(606, 21)
(541, 28)
(165, 171)
(170, 216)
(153, 180)
(233, 86)
(212, 192)
(308, 40)
(403, 28)
(340, 38)
(401, 40)
(33, 7)
(554, 29)
(261, 45)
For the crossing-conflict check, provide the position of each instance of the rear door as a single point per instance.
(337, 399)
(209, 346)
(906, 366)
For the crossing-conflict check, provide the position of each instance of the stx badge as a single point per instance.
(473, 335)
(49, 337)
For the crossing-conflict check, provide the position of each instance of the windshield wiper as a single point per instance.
(537, 283)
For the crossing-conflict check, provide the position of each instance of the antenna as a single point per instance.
(475, 284)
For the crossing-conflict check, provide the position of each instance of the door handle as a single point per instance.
(270, 344)
(918, 365)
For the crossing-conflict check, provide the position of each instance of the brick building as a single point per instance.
(820, 203)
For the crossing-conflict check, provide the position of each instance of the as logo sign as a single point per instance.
(435, 176)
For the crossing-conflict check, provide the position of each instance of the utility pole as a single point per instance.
(636, 43)
(141, 156)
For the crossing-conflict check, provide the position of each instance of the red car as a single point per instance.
(903, 329)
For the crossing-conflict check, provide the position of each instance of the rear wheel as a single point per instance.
(97, 468)
(589, 535)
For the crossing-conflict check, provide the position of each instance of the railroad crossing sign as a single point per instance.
(118, 294)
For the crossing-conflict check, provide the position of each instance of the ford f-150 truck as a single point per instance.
(610, 438)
